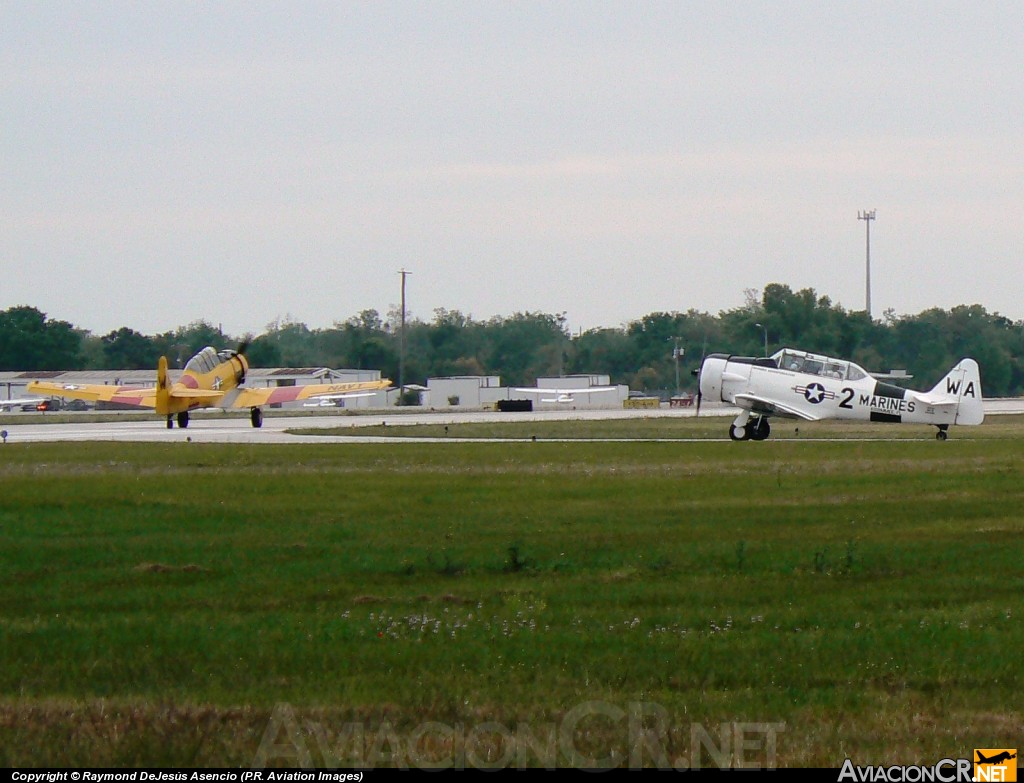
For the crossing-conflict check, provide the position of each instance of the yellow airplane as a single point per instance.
(211, 379)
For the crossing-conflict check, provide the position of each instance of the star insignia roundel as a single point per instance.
(815, 393)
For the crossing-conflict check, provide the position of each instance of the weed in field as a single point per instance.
(446, 566)
(517, 561)
(850, 559)
(821, 565)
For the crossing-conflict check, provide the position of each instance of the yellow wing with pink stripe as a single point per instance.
(254, 398)
(142, 397)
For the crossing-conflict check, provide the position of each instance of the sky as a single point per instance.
(163, 162)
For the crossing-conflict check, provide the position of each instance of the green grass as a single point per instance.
(189, 604)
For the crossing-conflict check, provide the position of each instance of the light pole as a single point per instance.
(867, 217)
(401, 343)
(765, 337)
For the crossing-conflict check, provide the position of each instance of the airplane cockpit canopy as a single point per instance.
(823, 366)
(207, 359)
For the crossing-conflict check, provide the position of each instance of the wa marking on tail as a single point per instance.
(953, 387)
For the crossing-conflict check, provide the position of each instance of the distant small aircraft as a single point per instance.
(211, 379)
(799, 385)
(332, 400)
(564, 396)
(22, 403)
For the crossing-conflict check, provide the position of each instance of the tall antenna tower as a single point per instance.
(401, 342)
(867, 217)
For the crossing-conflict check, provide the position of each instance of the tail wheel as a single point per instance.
(256, 416)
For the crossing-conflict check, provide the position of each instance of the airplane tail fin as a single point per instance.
(964, 383)
(163, 388)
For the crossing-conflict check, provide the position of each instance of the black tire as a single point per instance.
(170, 422)
(941, 435)
(761, 429)
(739, 433)
(183, 419)
(256, 416)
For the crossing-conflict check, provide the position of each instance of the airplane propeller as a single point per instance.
(696, 374)
(700, 395)
(240, 351)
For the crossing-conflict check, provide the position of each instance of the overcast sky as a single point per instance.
(163, 162)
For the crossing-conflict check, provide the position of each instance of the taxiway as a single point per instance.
(236, 429)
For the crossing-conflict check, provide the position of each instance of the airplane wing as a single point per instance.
(124, 395)
(347, 396)
(767, 407)
(19, 401)
(253, 398)
(205, 395)
(587, 390)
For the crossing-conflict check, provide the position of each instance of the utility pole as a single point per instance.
(401, 342)
(867, 217)
(676, 353)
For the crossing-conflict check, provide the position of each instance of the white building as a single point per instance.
(475, 391)
(464, 391)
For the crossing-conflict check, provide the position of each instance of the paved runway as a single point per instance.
(236, 429)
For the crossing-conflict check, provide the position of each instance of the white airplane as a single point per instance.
(332, 400)
(564, 396)
(21, 402)
(799, 385)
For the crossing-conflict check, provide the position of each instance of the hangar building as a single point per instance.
(474, 391)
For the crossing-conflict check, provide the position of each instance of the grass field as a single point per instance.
(511, 604)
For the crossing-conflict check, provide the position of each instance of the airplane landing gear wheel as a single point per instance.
(183, 419)
(941, 435)
(256, 416)
(739, 433)
(760, 429)
(170, 422)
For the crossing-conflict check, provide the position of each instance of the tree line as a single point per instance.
(524, 346)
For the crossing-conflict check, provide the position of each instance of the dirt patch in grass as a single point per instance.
(164, 568)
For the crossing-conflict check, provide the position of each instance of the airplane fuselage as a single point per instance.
(823, 397)
(208, 380)
(798, 385)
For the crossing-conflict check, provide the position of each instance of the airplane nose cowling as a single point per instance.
(711, 377)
